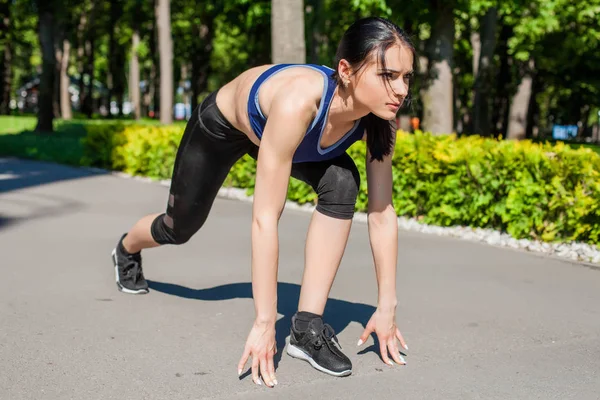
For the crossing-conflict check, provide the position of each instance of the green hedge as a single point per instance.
(548, 192)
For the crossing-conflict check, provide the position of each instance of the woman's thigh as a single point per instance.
(203, 161)
(336, 182)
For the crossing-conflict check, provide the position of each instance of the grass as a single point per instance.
(18, 138)
(16, 124)
(593, 147)
(64, 146)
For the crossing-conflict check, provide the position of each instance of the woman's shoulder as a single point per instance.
(301, 85)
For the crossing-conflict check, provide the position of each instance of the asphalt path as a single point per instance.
(481, 322)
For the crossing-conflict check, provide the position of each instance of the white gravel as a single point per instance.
(581, 252)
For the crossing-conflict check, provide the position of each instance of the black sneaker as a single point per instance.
(317, 345)
(128, 271)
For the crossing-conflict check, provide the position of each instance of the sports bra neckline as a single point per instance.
(317, 126)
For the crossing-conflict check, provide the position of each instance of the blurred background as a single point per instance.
(519, 69)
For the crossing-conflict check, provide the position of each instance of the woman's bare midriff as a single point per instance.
(232, 98)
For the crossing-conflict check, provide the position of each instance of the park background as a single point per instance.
(502, 130)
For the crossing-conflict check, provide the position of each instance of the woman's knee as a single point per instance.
(163, 231)
(338, 191)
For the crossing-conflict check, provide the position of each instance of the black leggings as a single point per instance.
(210, 146)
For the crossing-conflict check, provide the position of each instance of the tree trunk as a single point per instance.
(287, 31)
(476, 45)
(165, 49)
(316, 25)
(65, 96)
(134, 76)
(112, 26)
(46, 90)
(58, 49)
(483, 80)
(501, 102)
(81, 58)
(596, 132)
(6, 55)
(154, 82)
(438, 95)
(584, 119)
(6, 83)
(185, 67)
(201, 59)
(90, 59)
(533, 108)
(517, 123)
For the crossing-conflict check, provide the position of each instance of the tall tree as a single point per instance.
(484, 73)
(5, 56)
(165, 48)
(438, 94)
(519, 106)
(501, 100)
(134, 74)
(65, 98)
(90, 26)
(134, 12)
(46, 9)
(287, 31)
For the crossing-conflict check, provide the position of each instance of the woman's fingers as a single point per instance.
(243, 360)
(393, 347)
(264, 372)
(383, 351)
(401, 339)
(271, 368)
(365, 335)
(255, 376)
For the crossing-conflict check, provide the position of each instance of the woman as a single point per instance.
(295, 120)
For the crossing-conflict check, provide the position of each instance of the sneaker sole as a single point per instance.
(299, 354)
(119, 286)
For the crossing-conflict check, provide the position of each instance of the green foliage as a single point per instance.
(64, 146)
(543, 191)
(546, 191)
(16, 124)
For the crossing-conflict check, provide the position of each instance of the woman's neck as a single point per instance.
(344, 109)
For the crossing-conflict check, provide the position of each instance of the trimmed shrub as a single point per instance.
(543, 191)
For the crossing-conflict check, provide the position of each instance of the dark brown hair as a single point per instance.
(361, 39)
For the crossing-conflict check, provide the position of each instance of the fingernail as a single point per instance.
(275, 380)
(239, 372)
(402, 359)
(406, 346)
(359, 342)
(258, 382)
(391, 363)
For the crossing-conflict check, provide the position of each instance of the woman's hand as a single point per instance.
(383, 323)
(261, 347)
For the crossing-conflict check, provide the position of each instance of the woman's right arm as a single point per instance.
(289, 116)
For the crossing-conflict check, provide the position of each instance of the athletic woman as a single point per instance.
(296, 120)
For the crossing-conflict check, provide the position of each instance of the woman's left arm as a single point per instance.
(383, 236)
(383, 229)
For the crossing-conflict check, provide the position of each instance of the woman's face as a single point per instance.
(382, 91)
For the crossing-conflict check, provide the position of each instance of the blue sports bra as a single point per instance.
(310, 148)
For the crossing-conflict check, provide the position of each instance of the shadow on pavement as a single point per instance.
(30, 206)
(338, 313)
(5, 221)
(18, 174)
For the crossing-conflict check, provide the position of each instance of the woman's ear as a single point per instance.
(345, 72)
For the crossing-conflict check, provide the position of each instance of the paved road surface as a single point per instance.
(481, 322)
